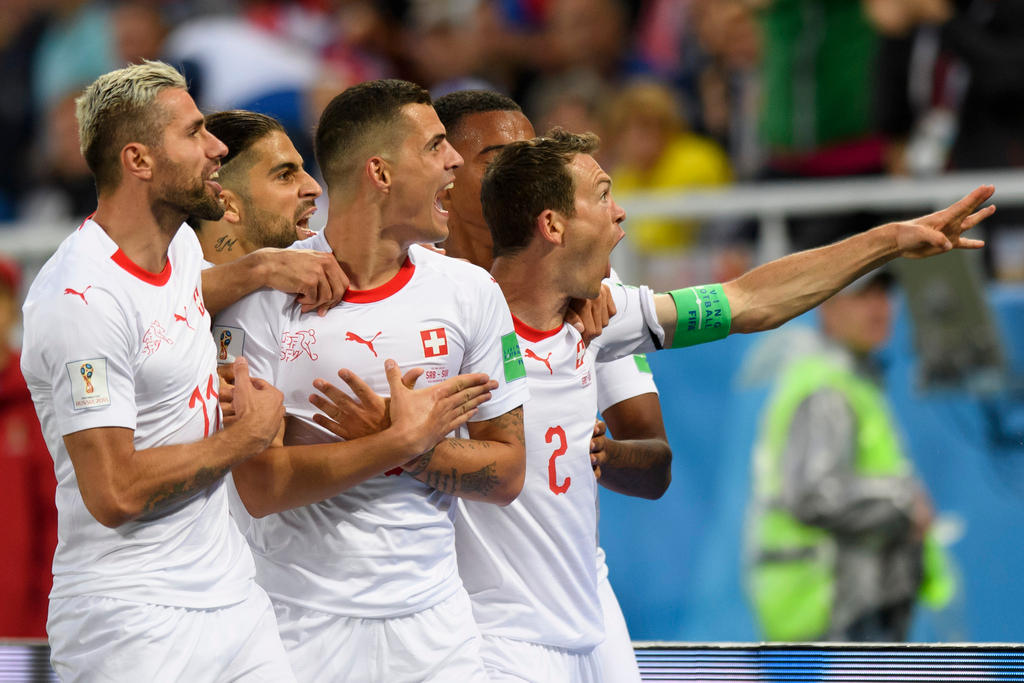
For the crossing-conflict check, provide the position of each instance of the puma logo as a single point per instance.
(184, 318)
(81, 295)
(530, 354)
(352, 336)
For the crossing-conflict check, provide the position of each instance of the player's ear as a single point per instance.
(550, 225)
(232, 206)
(137, 160)
(379, 173)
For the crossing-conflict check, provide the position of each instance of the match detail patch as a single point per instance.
(230, 343)
(512, 358)
(89, 383)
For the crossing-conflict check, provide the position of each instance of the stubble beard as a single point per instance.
(191, 198)
(268, 229)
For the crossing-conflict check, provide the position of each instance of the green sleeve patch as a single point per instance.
(702, 315)
(641, 363)
(512, 359)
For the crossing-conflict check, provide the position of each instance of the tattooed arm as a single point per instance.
(291, 476)
(638, 462)
(489, 466)
(120, 484)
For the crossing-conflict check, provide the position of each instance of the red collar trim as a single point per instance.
(85, 220)
(532, 334)
(158, 279)
(368, 296)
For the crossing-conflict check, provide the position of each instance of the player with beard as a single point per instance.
(529, 567)
(638, 461)
(268, 196)
(152, 580)
(354, 539)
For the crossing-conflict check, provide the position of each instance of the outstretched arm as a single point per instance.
(313, 276)
(292, 476)
(775, 292)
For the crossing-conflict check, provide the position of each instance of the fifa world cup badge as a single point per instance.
(225, 342)
(86, 371)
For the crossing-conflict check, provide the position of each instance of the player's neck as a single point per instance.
(142, 232)
(469, 242)
(368, 259)
(219, 242)
(531, 294)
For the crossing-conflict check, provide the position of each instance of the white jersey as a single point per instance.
(619, 380)
(385, 547)
(529, 567)
(108, 344)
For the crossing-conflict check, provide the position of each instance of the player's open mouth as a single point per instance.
(439, 195)
(214, 185)
(303, 221)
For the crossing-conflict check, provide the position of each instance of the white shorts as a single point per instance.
(615, 653)
(440, 644)
(104, 639)
(516, 661)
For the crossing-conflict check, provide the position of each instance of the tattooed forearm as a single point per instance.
(449, 481)
(443, 480)
(483, 481)
(420, 464)
(512, 423)
(204, 477)
(637, 468)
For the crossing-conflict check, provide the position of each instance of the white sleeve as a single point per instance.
(634, 328)
(249, 327)
(86, 354)
(494, 349)
(622, 379)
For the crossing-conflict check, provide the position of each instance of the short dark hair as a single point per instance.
(360, 122)
(525, 179)
(240, 129)
(453, 107)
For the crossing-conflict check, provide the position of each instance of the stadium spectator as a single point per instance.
(652, 148)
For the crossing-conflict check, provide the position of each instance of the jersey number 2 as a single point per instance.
(553, 484)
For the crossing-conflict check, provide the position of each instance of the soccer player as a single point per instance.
(638, 462)
(529, 567)
(267, 194)
(152, 581)
(354, 540)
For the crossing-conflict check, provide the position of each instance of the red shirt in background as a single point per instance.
(28, 515)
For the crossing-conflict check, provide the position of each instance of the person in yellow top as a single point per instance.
(654, 150)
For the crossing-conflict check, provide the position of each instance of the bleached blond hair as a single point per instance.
(118, 108)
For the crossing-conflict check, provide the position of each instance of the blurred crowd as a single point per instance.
(684, 93)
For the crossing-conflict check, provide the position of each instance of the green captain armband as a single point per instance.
(702, 315)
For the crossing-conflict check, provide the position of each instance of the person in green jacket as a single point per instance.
(838, 546)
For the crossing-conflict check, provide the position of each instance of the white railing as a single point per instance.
(771, 203)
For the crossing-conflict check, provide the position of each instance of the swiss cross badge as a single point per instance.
(435, 343)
